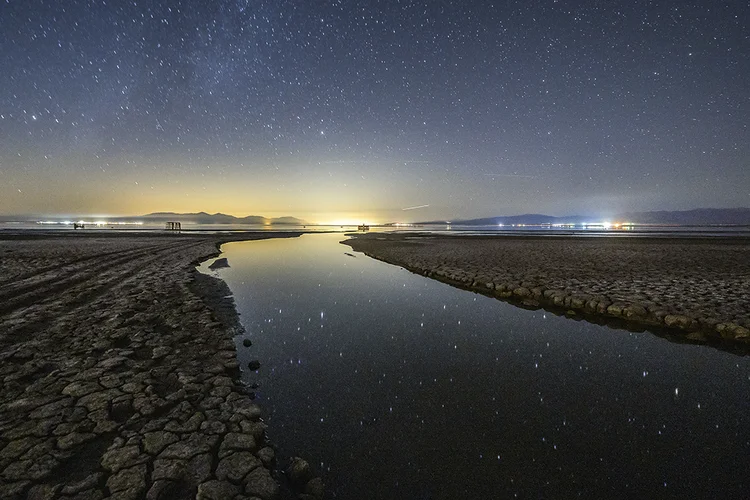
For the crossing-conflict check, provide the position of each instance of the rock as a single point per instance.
(256, 429)
(222, 381)
(216, 490)
(165, 490)
(634, 311)
(105, 427)
(236, 466)
(87, 483)
(254, 365)
(210, 402)
(169, 469)
(677, 321)
(199, 468)
(299, 472)
(13, 490)
(112, 362)
(110, 381)
(238, 441)
(51, 409)
(577, 303)
(247, 342)
(79, 389)
(42, 467)
(121, 411)
(74, 439)
(188, 448)
(614, 310)
(660, 314)
(221, 391)
(213, 427)
(129, 494)
(132, 479)
(245, 411)
(16, 471)
(259, 483)
(219, 264)
(191, 425)
(17, 448)
(155, 442)
(315, 488)
(131, 387)
(522, 292)
(267, 456)
(98, 400)
(697, 336)
(160, 352)
(121, 458)
(42, 492)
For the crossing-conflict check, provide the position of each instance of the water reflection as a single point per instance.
(397, 386)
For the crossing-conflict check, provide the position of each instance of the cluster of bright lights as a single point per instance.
(584, 225)
(608, 225)
(90, 223)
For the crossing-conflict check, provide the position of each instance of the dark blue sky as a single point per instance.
(358, 109)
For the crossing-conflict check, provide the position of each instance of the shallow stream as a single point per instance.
(394, 385)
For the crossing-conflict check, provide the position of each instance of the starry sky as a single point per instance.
(357, 110)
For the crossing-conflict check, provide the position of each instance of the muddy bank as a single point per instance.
(119, 373)
(697, 288)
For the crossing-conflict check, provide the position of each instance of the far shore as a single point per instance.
(697, 289)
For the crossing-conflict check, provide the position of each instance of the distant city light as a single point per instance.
(90, 223)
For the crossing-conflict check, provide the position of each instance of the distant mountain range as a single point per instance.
(700, 216)
(218, 218)
(159, 217)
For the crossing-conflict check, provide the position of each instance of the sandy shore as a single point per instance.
(698, 288)
(119, 374)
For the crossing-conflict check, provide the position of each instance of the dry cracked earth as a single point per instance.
(118, 380)
(699, 288)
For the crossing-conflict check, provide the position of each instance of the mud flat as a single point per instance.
(696, 288)
(119, 373)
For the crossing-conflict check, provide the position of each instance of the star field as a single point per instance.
(323, 109)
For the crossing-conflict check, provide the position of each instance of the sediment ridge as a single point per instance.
(696, 288)
(119, 373)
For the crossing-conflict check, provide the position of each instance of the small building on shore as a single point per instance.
(173, 226)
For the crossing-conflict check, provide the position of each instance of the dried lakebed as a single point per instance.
(118, 379)
(696, 287)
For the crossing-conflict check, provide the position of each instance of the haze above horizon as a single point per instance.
(373, 111)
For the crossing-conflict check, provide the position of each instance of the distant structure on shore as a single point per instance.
(363, 227)
(173, 226)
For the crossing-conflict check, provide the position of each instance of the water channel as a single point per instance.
(396, 386)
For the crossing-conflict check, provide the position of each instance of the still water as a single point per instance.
(396, 386)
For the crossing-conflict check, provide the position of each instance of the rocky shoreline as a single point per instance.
(120, 377)
(696, 289)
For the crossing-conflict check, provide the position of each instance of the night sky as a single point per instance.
(357, 110)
